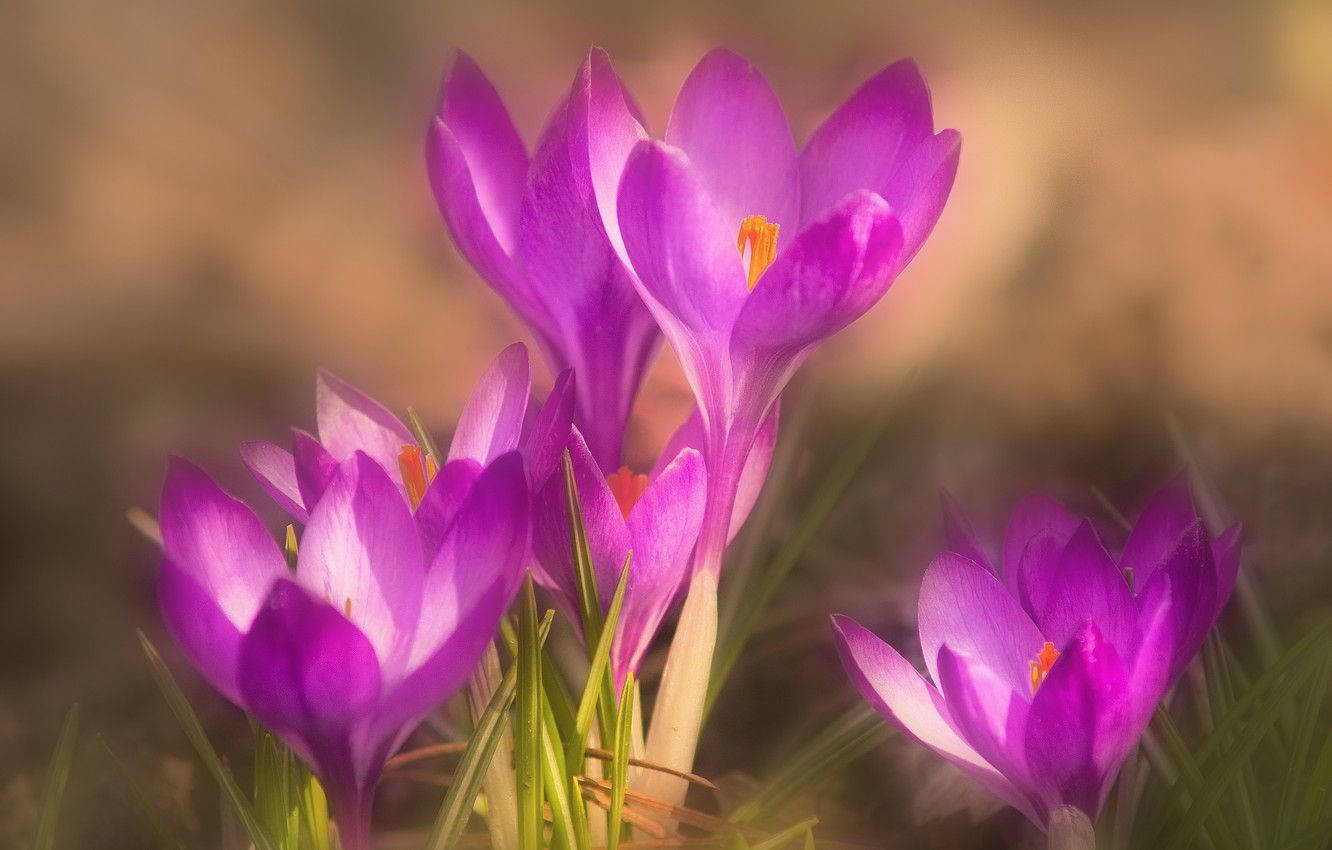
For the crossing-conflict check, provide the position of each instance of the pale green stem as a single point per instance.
(1071, 830)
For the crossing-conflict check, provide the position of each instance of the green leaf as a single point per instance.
(585, 577)
(56, 777)
(598, 674)
(527, 751)
(458, 802)
(290, 547)
(555, 781)
(194, 731)
(422, 434)
(846, 739)
(620, 762)
(804, 829)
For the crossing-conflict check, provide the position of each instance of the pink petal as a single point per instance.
(492, 420)
(351, 421)
(275, 470)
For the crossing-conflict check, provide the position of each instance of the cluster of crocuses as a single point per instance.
(744, 252)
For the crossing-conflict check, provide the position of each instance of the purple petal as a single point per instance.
(306, 670)
(1149, 676)
(1040, 561)
(351, 421)
(663, 527)
(361, 553)
(990, 715)
(919, 189)
(1154, 535)
(477, 166)
(315, 467)
(544, 443)
(209, 639)
(439, 507)
(275, 470)
(960, 534)
(1080, 723)
(834, 270)
(863, 144)
(1087, 586)
(1193, 583)
(730, 124)
(964, 606)
(601, 103)
(492, 420)
(1033, 515)
(889, 683)
(218, 541)
(752, 476)
(683, 251)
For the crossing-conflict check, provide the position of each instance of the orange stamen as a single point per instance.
(1040, 668)
(418, 469)
(761, 237)
(346, 607)
(627, 488)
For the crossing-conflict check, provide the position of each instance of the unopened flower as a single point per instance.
(1044, 673)
(531, 228)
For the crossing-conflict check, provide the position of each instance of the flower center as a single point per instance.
(627, 487)
(418, 469)
(761, 237)
(1040, 668)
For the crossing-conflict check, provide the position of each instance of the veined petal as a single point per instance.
(1079, 721)
(863, 143)
(207, 636)
(1156, 532)
(439, 507)
(492, 420)
(477, 165)
(600, 103)
(834, 270)
(663, 527)
(544, 443)
(1086, 585)
(217, 540)
(362, 554)
(960, 534)
(1149, 674)
(889, 683)
(988, 714)
(730, 124)
(920, 188)
(315, 467)
(964, 606)
(1033, 515)
(351, 421)
(1032, 577)
(306, 670)
(1193, 583)
(275, 470)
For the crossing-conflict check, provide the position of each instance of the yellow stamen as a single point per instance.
(418, 469)
(761, 237)
(1040, 668)
(627, 488)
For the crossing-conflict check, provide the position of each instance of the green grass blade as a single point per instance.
(1311, 715)
(589, 605)
(598, 675)
(422, 434)
(57, 775)
(620, 763)
(457, 807)
(555, 781)
(527, 750)
(804, 830)
(189, 722)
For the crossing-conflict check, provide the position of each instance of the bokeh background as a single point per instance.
(199, 203)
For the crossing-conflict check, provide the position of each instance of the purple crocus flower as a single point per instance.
(532, 229)
(855, 205)
(377, 624)
(655, 517)
(1044, 674)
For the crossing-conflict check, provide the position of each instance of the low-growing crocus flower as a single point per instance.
(1043, 674)
(531, 228)
(821, 233)
(376, 625)
(655, 517)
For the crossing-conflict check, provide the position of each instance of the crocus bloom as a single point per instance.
(656, 517)
(1044, 674)
(853, 207)
(377, 624)
(498, 417)
(531, 228)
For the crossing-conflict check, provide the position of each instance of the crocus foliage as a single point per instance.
(748, 252)
(1045, 668)
(400, 580)
(530, 227)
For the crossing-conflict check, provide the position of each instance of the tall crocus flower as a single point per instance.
(749, 254)
(1043, 674)
(377, 624)
(531, 228)
(656, 518)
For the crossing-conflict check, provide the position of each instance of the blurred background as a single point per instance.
(200, 203)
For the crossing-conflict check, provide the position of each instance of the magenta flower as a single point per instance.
(376, 625)
(854, 207)
(531, 228)
(656, 517)
(1042, 680)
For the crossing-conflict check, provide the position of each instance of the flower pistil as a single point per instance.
(418, 470)
(761, 237)
(1040, 667)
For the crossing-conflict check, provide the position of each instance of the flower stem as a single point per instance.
(1070, 829)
